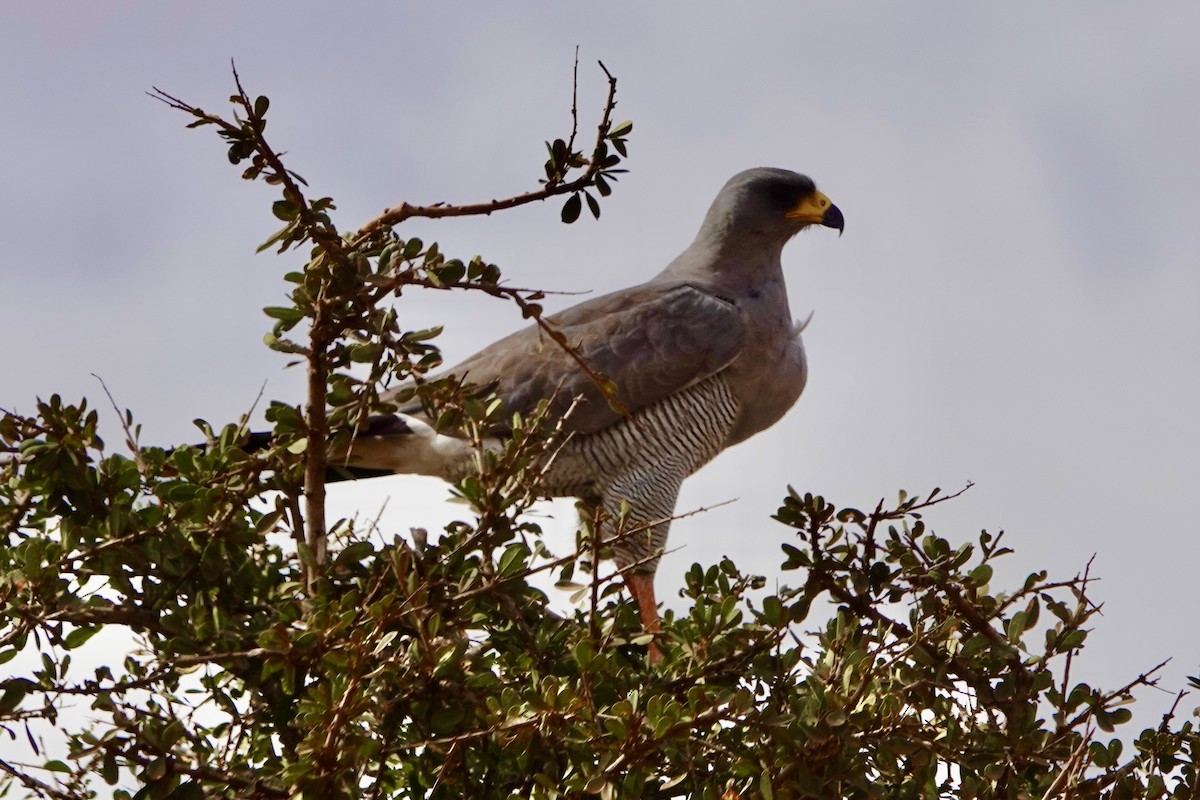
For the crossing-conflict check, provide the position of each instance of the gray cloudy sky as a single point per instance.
(1014, 302)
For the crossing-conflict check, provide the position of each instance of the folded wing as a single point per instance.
(651, 341)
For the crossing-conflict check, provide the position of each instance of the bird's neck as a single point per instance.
(729, 263)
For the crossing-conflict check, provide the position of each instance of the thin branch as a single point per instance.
(1075, 765)
(130, 439)
(206, 773)
(30, 782)
(316, 417)
(593, 618)
(1105, 700)
(1165, 725)
(575, 103)
(395, 215)
(469, 736)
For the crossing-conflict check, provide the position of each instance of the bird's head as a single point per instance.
(752, 218)
(773, 203)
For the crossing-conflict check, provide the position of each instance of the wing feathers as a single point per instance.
(651, 340)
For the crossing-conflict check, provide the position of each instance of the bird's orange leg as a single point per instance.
(641, 586)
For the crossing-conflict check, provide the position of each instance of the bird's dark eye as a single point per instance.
(785, 196)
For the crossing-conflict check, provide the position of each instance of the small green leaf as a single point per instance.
(981, 574)
(285, 210)
(279, 236)
(571, 209)
(764, 786)
(974, 644)
(14, 692)
(1032, 612)
(1016, 627)
(284, 313)
(280, 345)
(622, 129)
(585, 653)
(79, 636)
(773, 610)
(452, 271)
(512, 560)
(1099, 755)
(1072, 640)
(421, 336)
(1120, 716)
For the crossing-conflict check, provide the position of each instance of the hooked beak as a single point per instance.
(817, 209)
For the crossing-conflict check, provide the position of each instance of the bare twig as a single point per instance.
(396, 214)
(1074, 766)
(593, 618)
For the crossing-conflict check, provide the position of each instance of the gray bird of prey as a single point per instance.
(703, 356)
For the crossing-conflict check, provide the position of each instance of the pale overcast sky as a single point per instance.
(1015, 302)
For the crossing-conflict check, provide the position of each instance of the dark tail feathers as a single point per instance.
(261, 440)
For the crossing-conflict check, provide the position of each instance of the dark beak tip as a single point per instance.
(833, 219)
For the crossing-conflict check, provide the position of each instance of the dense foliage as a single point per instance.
(267, 654)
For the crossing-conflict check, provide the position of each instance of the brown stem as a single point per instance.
(316, 457)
